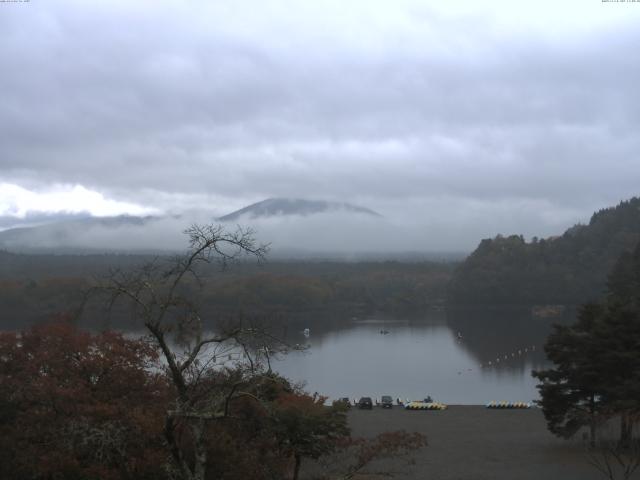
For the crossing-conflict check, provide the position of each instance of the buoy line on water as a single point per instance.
(515, 354)
(503, 358)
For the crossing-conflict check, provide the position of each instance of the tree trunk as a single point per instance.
(626, 426)
(296, 468)
(176, 453)
(592, 433)
(592, 422)
(200, 449)
(625, 431)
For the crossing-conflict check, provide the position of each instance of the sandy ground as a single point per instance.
(475, 443)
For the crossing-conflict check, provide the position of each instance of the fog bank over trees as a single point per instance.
(330, 233)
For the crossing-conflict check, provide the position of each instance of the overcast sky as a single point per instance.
(463, 119)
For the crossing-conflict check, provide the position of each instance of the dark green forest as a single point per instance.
(566, 270)
(34, 287)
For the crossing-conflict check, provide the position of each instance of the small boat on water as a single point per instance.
(306, 332)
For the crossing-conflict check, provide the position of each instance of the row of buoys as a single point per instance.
(503, 405)
(506, 357)
(425, 406)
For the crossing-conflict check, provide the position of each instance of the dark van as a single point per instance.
(386, 401)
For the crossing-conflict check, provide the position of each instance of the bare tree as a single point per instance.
(207, 370)
(613, 461)
(357, 454)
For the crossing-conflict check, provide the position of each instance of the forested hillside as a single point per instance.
(569, 269)
(35, 287)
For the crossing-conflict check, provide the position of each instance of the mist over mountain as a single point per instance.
(32, 219)
(333, 233)
(295, 228)
(312, 229)
(80, 233)
(272, 207)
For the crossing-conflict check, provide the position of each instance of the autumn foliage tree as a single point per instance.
(184, 403)
(355, 454)
(75, 405)
(306, 428)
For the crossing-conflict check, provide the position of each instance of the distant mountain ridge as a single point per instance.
(570, 269)
(66, 233)
(62, 232)
(272, 207)
(8, 222)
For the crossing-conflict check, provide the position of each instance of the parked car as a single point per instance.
(386, 401)
(365, 402)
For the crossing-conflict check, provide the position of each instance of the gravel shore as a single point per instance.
(475, 443)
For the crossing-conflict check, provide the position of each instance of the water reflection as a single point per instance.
(443, 355)
(457, 357)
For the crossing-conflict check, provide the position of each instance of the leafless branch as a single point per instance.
(157, 297)
(613, 461)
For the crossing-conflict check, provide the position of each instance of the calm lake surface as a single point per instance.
(442, 355)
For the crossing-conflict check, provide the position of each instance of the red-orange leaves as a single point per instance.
(74, 404)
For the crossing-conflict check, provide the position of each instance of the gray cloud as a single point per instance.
(455, 121)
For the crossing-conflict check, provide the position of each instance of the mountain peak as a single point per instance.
(272, 207)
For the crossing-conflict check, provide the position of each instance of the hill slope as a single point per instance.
(569, 269)
(294, 206)
(61, 235)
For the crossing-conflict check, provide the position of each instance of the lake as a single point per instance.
(468, 357)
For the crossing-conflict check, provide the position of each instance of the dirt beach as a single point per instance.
(475, 443)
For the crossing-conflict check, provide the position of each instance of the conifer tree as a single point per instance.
(596, 373)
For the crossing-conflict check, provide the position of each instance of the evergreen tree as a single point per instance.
(571, 392)
(596, 373)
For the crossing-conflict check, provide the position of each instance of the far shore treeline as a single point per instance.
(506, 271)
(570, 269)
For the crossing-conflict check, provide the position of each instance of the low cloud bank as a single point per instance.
(322, 234)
